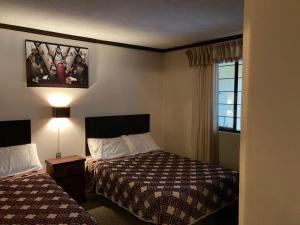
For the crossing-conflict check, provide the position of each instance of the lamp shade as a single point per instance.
(61, 112)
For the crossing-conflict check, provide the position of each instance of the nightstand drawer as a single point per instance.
(68, 169)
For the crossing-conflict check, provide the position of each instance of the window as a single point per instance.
(229, 95)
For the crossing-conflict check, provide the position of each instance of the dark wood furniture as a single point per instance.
(115, 126)
(69, 173)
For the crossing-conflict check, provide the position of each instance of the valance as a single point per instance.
(216, 53)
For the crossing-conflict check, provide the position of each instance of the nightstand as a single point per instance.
(69, 173)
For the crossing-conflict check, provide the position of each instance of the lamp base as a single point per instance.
(58, 155)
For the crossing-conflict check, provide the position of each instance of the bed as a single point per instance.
(33, 197)
(157, 186)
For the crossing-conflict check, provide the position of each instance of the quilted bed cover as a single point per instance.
(35, 198)
(164, 188)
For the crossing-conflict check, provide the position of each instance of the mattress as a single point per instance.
(35, 198)
(164, 188)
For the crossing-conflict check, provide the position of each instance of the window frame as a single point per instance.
(235, 103)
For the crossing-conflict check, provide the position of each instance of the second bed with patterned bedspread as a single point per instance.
(34, 198)
(164, 188)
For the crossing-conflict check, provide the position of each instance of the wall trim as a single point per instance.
(111, 43)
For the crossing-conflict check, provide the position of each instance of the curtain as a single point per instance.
(229, 51)
(204, 124)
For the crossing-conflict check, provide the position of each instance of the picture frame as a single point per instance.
(56, 65)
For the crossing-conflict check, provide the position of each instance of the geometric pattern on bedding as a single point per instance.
(164, 188)
(34, 198)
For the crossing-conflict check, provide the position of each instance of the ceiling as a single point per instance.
(151, 23)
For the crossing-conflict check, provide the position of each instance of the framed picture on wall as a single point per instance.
(56, 65)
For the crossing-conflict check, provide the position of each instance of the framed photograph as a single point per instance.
(56, 65)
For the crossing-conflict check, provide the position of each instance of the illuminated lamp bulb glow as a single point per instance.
(55, 123)
(59, 100)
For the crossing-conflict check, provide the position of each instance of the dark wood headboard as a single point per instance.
(17, 132)
(115, 126)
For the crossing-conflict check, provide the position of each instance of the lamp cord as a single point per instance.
(58, 134)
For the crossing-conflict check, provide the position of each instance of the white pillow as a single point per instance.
(140, 143)
(18, 159)
(95, 147)
(108, 148)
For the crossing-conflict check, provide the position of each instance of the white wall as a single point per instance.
(270, 147)
(178, 80)
(122, 81)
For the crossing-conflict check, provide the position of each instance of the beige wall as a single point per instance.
(229, 149)
(122, 81)
(177, 120)
(270, 147)
(178, 80)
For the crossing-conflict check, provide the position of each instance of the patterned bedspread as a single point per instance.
(34, 198)
(164, 188)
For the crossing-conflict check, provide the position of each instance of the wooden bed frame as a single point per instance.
(15, 132)
(115, 126)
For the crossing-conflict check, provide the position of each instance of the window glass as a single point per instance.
(226, 85)
(239, 98)
(240, 84)
(230, 95)
(226, 122)
(238, 124)
(226, 72)
(226, 97)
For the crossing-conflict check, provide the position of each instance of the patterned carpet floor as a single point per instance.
(108, 213)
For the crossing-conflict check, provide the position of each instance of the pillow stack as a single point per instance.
(108, 148)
